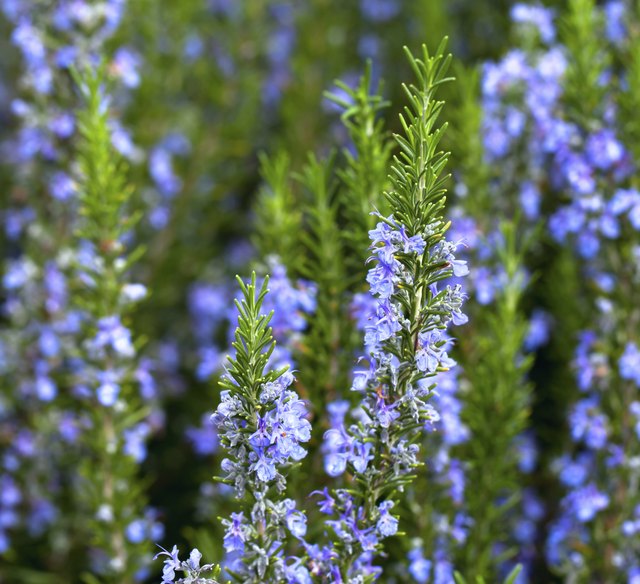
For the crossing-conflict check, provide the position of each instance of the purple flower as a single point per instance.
(108, 388)
(419, 566)
(586, 502)
(162, 173)
(530, 199)
(136, 531)
(386, 413)
(236, 534)
(111, 333)
(125, 65)
(603, 150)
(327, 504)
(296, 522)
(387, 524)
(539, 330)
(205, 438)
(62, 186)
(135, 441)
(484, 282)
(379, 10)
(431, 355)
(589, 424)
(46, 389)
(615, 12)
(629, 363)
(539, 17)
(264, 466)
(578, 173)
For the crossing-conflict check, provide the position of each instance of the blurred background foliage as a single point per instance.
(238, 78)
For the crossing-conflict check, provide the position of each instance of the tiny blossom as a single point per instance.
(191, 568)
(296, 522)
(539, 331)
(379, 10)
(586, 502)
(237, 533)
(589, 424)
(108, 388)
(125, 65)
(111, 333)
(387, 524)
(419, 566)
(629, 363)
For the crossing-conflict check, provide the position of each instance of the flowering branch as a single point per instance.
(262, 424)
(106, 365)
(405, 338)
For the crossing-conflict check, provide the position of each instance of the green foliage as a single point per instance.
(110, 493)
(278, 220)
(432, 14)
(629, 98)
(315, 216)
(364, 176)
(587, 61)
(510, 579)
(466, 142)
(254, 345)
(496, 411)
(325, 363)
(417, 182)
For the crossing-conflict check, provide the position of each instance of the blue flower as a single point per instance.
(205, 438)
(586, 502)
(387, 524)
(419, 566)
(577, 172)
(379, 10)
(136, 531)
(615, 13)
(135, 440)
(62, 186)
(111, 333)
(431, 353)
(603, 150)
(236, 534)
(297, 573)
(108, 388)
(264, 466)
(530, 199)
(296, 522)
(125, 65)
(629, 363)
(588, 423)
(539, 17)
(326, 505)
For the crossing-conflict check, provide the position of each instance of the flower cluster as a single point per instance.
(276, 441)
